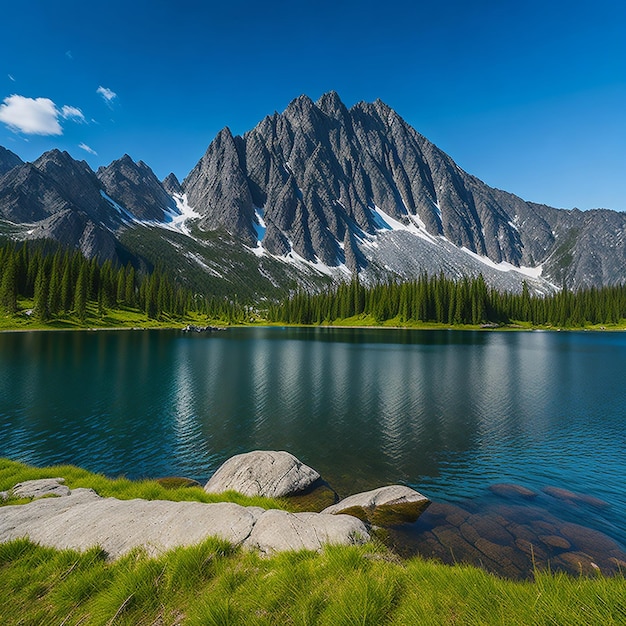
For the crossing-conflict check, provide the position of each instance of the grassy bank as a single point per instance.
(214, 583)
(12, 472)
(127, 317)
(122, 317)
(369, 321)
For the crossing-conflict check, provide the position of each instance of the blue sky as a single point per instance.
(530, 97)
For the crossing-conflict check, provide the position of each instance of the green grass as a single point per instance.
(215, 583)
(123, 317)
(369, 321)
(13, 472)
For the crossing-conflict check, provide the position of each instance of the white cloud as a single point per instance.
(108, 94)
(72, 113)
(11, 77)
(86, 148)
(69, 55)
(31, 116)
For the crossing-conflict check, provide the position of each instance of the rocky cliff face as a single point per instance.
(318, 171)
(62, 199)
(171, 185)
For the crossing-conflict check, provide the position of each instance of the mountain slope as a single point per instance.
(135, 187)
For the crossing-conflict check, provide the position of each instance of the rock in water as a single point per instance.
(262, 473)
(508, 490)
(386, 506)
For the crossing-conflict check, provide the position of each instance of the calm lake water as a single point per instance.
(447, 412)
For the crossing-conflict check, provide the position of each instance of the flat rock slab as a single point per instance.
(268, 473)
(83, 520)
(386, 506)
(277, 531)
(40, 488)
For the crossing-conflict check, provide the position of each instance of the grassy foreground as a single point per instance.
(215, 583)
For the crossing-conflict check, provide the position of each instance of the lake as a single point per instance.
(450, 413)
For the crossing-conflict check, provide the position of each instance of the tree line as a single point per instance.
(443, 300)
(63, 282)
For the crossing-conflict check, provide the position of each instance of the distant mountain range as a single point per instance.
(310, 196)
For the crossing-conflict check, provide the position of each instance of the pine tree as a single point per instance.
(41, 294)
(80, 293)
(129, 287)
(67, 293)
(8, 286)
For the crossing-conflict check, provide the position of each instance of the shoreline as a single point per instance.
(497, 532)
(426, 327)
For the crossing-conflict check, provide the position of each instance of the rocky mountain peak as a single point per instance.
(135, 187)
(8, 160)
(171, 184)
(321, 187)
(327, 178)
(331, 104)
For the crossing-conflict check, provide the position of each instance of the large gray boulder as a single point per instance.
(386, 506)
(277, 531)
(262, 473)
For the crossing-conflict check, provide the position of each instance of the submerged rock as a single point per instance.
(386, 506)
(263, 473)
(575, 498)
(509, 490)
(509, 540)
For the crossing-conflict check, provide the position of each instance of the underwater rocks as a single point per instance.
(510, 537)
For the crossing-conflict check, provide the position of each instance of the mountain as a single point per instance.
(360, 188)
(311, 196)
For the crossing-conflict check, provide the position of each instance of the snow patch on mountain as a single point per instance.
(177, 219)
(335, 271)
(126, 215)
(504, 266)
(415, 227)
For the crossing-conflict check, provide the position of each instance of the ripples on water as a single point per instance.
(448, 413)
